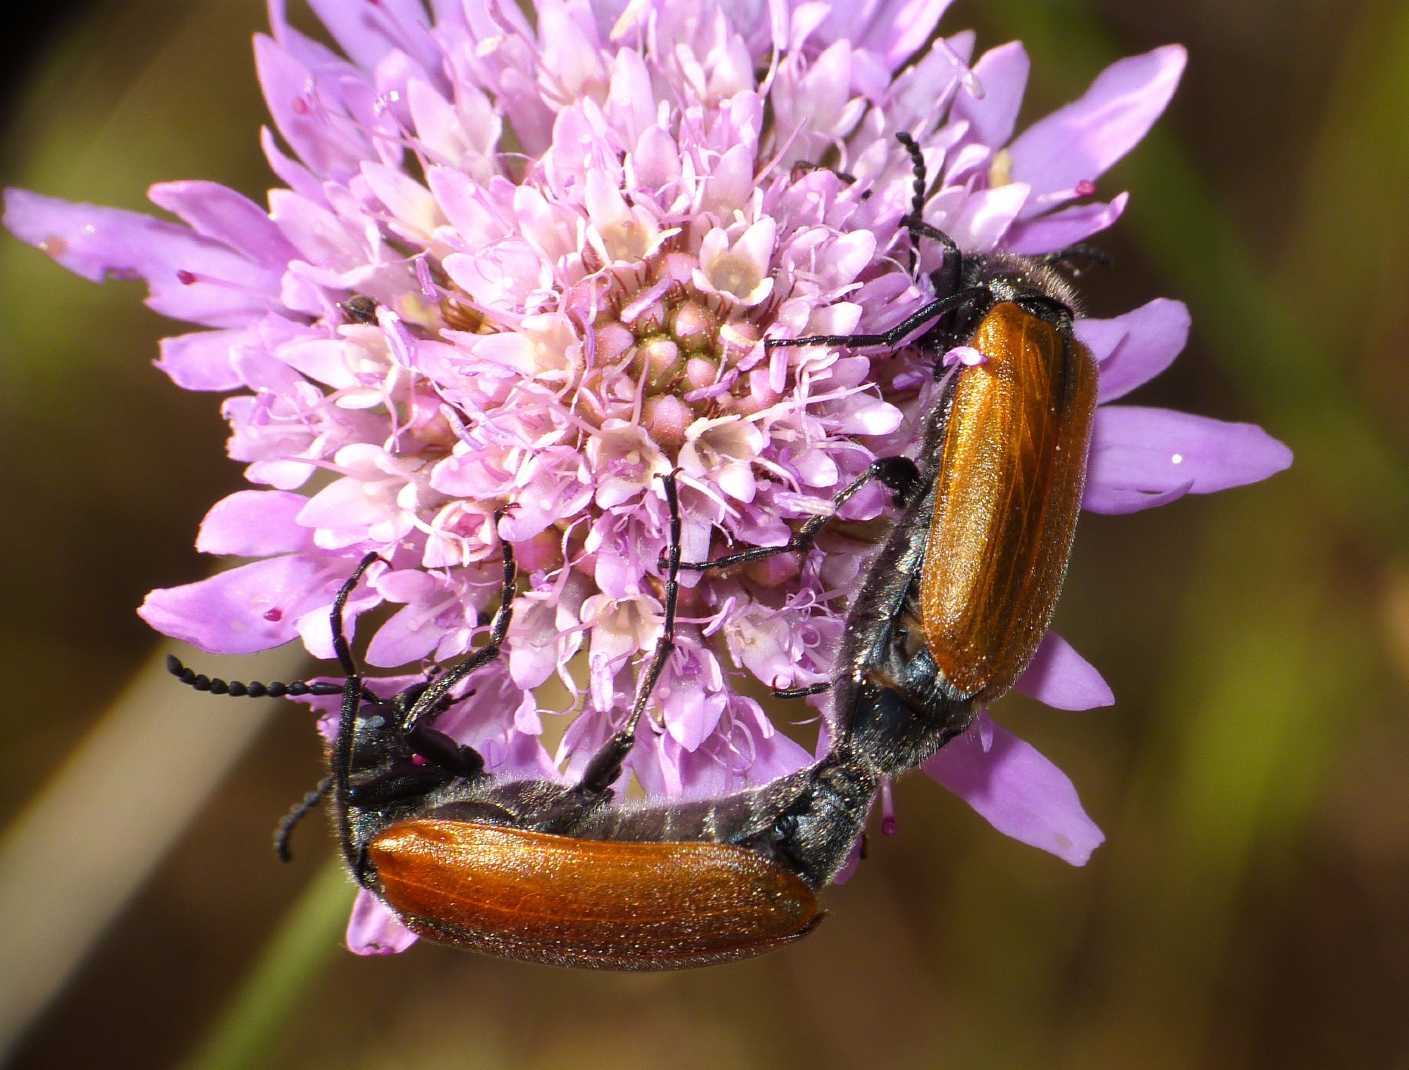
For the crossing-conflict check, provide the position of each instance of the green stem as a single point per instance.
(308, 937)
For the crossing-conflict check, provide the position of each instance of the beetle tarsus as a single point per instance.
(801, 692)
(899, 474)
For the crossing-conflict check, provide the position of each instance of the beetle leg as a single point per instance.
(920, 317)
(340, 759)
(428, 699)
(340, 647)
(800, 692)
(405, 782)
(898, 473)
(605, 765)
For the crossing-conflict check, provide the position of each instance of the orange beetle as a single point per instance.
(573, 902)
(954, 605)
(562, 873)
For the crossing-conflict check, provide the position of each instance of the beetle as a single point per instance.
(952, 609)
(558, 873)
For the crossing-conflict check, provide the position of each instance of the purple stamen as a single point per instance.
(423, 278)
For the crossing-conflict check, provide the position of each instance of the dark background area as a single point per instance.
(1251, 906)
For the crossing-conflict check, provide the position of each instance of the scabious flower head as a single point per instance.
(517, 269)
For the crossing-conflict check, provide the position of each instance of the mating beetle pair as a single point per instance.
(946, 619)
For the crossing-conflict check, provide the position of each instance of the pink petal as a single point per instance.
(324, 145)
(1079, 142)
(913, 93)
(695, 718)
(223, 215)
(847, 257)
(374, 930)
(902, 29)
(408, 635)
(321, 236)
(519, 756)
(324, 360)
(1116, 501)
(1066, 226)
(449, 13)
(190, 278)
(1155, 452)
(987, 216)
(533, 642)
(246, 609)
(1002, 72)
(1132, 349)
(864, 415)
(657, 158)
(297, 177)
(255, 523)
(1061, 678)
(1016, 790)
(361, 27)
(736, 480)
(775, 755)
(203, 360)
(343, 503)
(409, 201)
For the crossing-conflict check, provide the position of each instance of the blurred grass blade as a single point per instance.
(77, 854)
(310, 934)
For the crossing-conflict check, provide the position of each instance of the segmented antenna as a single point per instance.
(251, 689)
(284, 830)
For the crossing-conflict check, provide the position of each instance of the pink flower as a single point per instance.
(576, 234)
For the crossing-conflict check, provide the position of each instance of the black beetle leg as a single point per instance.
(605, 766)
(898, 473)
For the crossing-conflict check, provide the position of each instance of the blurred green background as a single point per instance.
(1251, 907)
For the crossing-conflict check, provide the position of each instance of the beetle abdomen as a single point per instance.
(1007, 499)
(591, 903)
